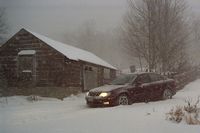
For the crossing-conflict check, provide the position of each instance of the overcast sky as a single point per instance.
(56, 17)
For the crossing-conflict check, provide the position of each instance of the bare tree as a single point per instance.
(155, 30)
(3, 25)
(105, 43)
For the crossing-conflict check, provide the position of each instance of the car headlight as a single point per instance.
(104, 94)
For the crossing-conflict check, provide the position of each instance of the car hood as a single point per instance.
(107, 88)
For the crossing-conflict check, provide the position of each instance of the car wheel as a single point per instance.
(167, 94)
(146, 100)
(123, 100)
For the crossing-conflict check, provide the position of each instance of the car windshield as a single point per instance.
(124, 79)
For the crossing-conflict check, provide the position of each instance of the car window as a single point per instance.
(156, 77)
(124, 79)
(144, 78)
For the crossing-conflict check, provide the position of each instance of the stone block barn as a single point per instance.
(32, 64)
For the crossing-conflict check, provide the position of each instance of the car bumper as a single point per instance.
(98, 101)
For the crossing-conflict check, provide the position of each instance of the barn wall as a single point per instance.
(52, 68)
(113, 74)
(72, 73)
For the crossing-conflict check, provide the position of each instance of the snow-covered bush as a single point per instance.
(191, 108)
(175, 114)
(192, 115)
(189, 113)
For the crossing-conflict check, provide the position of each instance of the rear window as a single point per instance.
(156, 77)
(124, 79)
(144, 78)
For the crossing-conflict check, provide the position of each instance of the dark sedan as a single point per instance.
(130, 88)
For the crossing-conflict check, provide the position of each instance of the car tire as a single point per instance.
(146, 100)
(123, 100)
(167, 94)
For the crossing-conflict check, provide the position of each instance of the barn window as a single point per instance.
(88, 68)
(106, 73)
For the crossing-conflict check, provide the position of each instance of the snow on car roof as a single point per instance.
(71, 52)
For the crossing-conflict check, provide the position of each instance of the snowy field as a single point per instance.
(73, 116)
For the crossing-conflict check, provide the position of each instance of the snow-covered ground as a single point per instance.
(73, 116)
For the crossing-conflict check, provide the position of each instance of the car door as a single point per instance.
(140, 91)
(156, 86)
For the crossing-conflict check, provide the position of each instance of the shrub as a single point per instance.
(189, 113)
(175, 115)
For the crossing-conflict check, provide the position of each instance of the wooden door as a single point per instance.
(26, 70)
(90, 77)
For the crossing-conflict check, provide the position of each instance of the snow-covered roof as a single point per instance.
(27, 52)
(71, 52)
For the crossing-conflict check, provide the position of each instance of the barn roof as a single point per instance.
(71, 52)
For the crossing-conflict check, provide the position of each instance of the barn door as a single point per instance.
(89, 77)
(26, 70)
